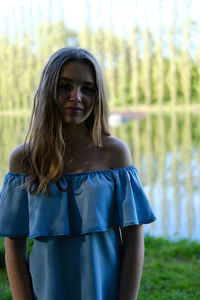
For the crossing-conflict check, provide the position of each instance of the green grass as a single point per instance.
(2, 253)
(5, 293)
(171, 271)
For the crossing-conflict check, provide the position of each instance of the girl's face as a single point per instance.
(76, 92)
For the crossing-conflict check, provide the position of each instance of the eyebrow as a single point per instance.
(69, 80)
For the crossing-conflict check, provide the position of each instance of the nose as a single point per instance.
(75, 94)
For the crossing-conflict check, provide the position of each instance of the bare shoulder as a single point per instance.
(119, 152)
(16, 160)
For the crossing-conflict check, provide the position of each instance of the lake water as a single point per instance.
(166, 151)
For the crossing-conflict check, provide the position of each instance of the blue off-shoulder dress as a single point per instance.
(77, 249)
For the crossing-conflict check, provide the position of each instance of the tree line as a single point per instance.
(137, 69)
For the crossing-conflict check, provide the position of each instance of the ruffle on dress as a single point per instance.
(94, 201)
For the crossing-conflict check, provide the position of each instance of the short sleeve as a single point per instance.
(133, 205)
(14, 216)
(93, 202)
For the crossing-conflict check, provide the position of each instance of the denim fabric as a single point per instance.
(77, 242)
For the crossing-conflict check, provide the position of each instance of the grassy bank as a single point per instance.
(171, 271)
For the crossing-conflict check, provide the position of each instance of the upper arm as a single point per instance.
(18, 245)
(16, 160)
(133, 235)
(120, 155)
(16, 164)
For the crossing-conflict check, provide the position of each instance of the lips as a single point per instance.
(74, 108)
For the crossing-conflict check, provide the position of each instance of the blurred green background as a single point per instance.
(150, 55)
(149, 50)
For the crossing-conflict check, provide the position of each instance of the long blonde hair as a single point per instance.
(44, 145)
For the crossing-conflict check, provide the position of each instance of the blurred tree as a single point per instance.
(134, 65)
(185, 64)
(141, 68)
(172, 73)
(146, 65)
(111, 65)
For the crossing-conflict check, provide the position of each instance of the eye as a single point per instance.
(65, 87)
(88, 89)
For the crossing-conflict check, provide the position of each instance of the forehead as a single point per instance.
(78, 71)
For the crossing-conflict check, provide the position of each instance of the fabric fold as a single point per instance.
(93, 202)
(14, 212)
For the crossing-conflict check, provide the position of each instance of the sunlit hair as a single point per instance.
(44, 144)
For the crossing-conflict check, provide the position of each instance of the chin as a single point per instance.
(73, 121)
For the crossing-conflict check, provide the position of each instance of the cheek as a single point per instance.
(61, 96)
(90, 103)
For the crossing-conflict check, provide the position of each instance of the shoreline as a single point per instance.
(127, 111)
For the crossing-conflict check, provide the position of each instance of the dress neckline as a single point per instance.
(82, 173)
(97, 171)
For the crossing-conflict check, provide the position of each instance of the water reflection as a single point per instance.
(166, 151)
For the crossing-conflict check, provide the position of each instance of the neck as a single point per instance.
(75, 135)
